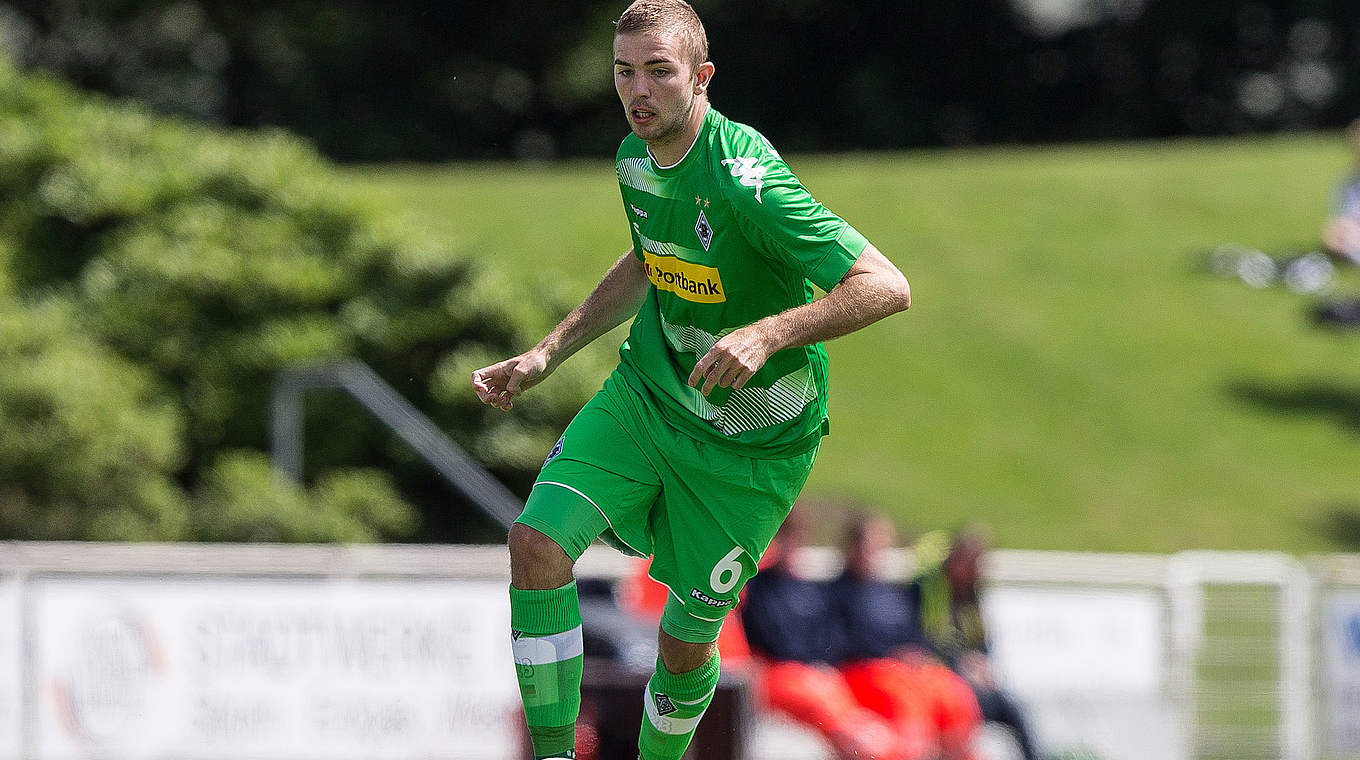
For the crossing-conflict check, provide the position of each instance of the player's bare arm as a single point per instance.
(872, 289)
(616, 298)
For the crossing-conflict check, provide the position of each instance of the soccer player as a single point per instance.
(697, 445)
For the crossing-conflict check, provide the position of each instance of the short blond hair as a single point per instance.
(670, 17)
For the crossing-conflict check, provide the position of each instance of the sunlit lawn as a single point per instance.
(1066, 375)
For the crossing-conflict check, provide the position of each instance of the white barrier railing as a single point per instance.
(283, 652)
(1242, 625)
(1336, 644)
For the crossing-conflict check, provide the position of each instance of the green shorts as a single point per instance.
(705, 515)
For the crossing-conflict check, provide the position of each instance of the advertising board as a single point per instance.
(273, 669)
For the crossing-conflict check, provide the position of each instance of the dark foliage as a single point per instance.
(369, 80)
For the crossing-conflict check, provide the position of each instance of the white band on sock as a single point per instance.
(545, 650)
(666, 724)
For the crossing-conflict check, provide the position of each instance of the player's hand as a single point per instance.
(976, 669)
(499, 384)
(732, 360)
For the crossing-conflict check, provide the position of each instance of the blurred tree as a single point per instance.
(90, 447)
(368, 80)
(187, 267)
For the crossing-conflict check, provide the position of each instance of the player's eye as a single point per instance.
(659, 73)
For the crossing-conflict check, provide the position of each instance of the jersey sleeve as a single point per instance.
(782, 220)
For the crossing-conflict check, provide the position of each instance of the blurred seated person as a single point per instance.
(1341, 233)
(793, 637)
(887, 662)
(946, 590)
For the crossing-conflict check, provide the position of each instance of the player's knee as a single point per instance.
(536, 561)
(683, 656)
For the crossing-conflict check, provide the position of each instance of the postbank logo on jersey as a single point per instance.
(690, 281)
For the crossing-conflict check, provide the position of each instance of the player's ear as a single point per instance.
(702, 77)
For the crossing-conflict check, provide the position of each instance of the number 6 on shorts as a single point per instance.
(726, 573)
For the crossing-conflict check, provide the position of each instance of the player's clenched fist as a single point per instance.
(498, 384)
(732, 360)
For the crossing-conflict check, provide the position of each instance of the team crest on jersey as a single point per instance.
(748, 173)
(555, 450)
(703, 230)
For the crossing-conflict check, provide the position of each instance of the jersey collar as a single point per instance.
(703, 127)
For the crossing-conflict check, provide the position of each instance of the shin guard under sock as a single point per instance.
(546, 640)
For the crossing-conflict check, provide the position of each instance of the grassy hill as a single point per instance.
(1066, 375)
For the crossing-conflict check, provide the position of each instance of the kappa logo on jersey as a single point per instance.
(710, 601)
(638, 211)
(750, 174)
(703, 230)
(664, 705)
(690, 281)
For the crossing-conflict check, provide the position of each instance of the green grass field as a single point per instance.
(1065, 375)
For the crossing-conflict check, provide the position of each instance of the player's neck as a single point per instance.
(670, 152)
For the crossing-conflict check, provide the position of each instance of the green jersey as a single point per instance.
(728, 236)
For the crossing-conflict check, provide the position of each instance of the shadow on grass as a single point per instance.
(1315, 398)
(1341, 523)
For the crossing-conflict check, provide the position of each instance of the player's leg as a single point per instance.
(678, 693)
(545, 622)
(571, 504)
(717, 514)
(687, 665)
(536, 561)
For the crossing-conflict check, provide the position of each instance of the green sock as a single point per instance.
(546, 640)
(673, 705)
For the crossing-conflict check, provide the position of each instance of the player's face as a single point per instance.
(875, 538)
(657, 85)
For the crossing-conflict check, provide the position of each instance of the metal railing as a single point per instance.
(459, 470)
